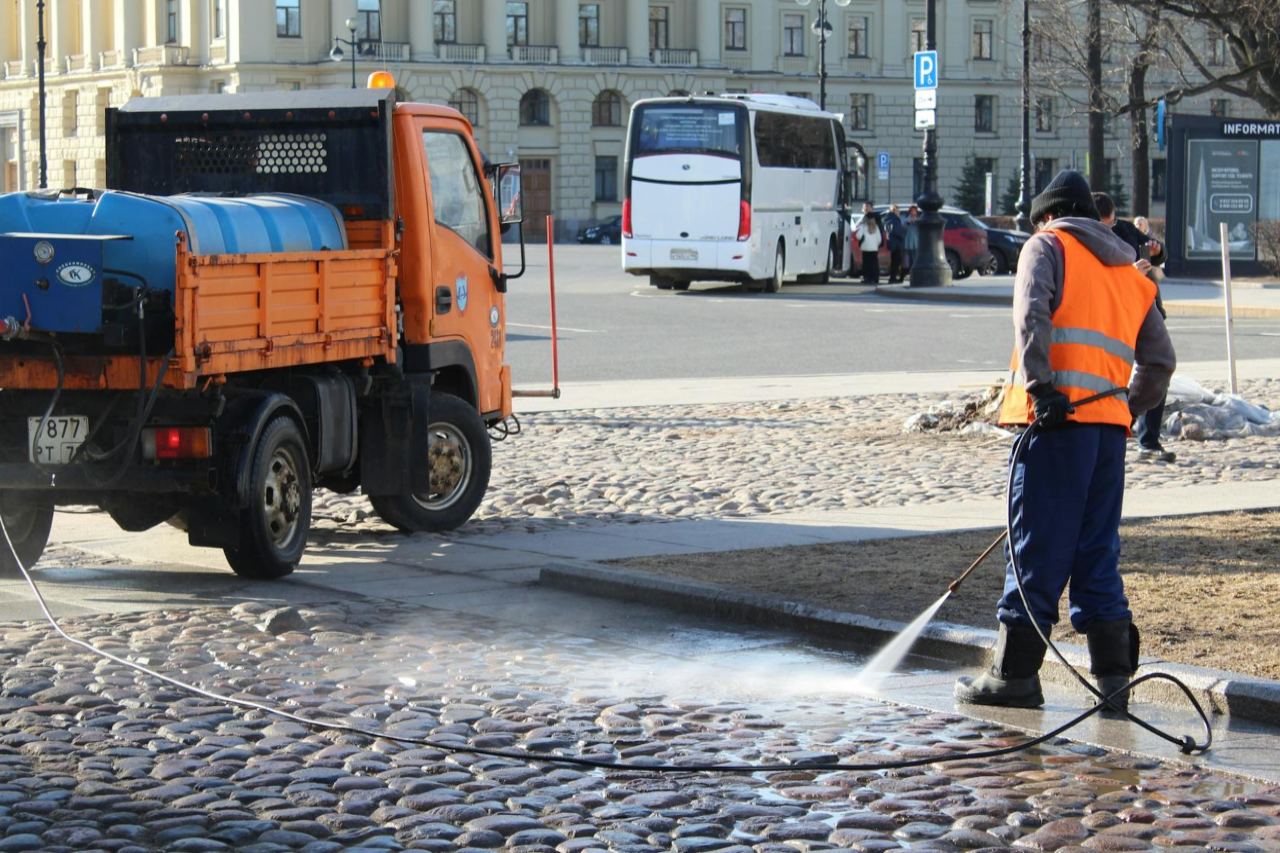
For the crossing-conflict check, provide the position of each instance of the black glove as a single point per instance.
(1052, 406)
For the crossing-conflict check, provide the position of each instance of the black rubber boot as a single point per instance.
(1113, 659)
(1013, 680)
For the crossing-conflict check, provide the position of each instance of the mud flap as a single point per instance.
(393, 441)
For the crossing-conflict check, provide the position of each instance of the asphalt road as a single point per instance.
(614, 326)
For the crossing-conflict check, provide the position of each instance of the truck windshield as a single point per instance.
(687, 129)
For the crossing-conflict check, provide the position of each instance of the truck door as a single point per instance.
(467, 304)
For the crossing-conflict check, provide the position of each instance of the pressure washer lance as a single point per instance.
(1187, 744)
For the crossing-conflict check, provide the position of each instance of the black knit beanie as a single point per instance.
(1067, 195)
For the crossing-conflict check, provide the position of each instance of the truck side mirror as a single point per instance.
(510, 198)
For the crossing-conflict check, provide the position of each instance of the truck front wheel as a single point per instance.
(27, 524)
(273, 527)
(459, 458)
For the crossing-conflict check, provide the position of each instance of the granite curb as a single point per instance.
(1173, 308)
(1220, 691)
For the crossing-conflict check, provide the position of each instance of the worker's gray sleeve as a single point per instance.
(1037, 292)
(1154, 361)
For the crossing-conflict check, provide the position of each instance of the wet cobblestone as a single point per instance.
(96, 757)
(608, 466)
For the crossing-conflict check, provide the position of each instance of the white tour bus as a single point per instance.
(747, 188)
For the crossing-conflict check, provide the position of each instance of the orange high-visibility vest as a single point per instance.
(1095, 329)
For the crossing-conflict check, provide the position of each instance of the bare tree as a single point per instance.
(1251, 29)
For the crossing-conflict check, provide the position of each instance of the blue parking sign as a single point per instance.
(926, 68)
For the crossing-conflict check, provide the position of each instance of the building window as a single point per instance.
(446, 21)
(735, 29)
(369, 20)
(1041, 48)
(1046, 169)
(288, 19)
(1044, 114)
(606, 111)
(467, 102)
(793, 35)
(1159, 180)
(607, 178)
(171, 21)
(517, 24)
(219, 19)
(1217, 49)
(1219, 107)
(659, 27)
(984, 113)
(919, 35)
(589, 25)
(858, 35)
(535, 108)
(983, 33)
(860, 111)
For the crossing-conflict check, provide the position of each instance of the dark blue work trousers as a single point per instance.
(1066, 497)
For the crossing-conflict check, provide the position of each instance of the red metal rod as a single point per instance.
(555, 338)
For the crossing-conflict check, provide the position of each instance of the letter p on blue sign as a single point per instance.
(926, 68)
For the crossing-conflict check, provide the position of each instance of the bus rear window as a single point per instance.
(688, 129)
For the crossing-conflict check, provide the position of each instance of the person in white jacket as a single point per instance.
(869, 236)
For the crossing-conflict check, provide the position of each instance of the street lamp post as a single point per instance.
(1024, 188)
(339, 41)
(822, 27)
(40, 46)
(931, 268)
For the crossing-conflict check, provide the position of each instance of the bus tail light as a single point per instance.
(626, 217)
(744, 220)
(177, 443)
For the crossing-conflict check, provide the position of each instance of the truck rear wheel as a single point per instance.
(273, 527)
(459, 458)
(27, 523)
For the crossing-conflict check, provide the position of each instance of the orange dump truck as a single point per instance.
(278, 291)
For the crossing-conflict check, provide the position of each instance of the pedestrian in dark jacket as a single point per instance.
(1084, 323)
(896, 234)
(1149, 254)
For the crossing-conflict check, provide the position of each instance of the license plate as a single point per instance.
(684, 254)
(56, 440)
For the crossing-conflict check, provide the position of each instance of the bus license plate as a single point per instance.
(57, 440)
(684, 254)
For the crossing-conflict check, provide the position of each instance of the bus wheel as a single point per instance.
(773, 284)
(825, 276)
(459, 458)
(661, 282)
(27, 522)
(274, 526)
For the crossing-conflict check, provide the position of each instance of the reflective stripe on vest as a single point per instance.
(1095, 329)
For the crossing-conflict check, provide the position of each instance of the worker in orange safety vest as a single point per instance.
(1085, 324)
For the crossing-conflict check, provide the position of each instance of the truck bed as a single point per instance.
(238, 313)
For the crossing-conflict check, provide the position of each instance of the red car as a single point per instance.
(963, 237)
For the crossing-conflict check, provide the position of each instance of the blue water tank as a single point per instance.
(55, 252)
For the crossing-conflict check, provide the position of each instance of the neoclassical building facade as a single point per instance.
(549, 82)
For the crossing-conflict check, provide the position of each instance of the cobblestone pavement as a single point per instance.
(94, 757)
(749, 459)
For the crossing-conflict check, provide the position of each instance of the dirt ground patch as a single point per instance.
(1205, 590)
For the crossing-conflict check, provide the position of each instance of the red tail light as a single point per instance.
(177, 443)
(626, 217)
(744, 220)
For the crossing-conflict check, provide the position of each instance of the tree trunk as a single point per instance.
(1097, 108)
(1139, 136)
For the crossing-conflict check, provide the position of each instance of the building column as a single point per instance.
(7, 26)
(708, 33)
(567, 30)
(194, 28)
(954, 31)
(128, 30)
(895, 38)
(94, 26)
(27, 34)
(495, 30)
(638, 31)
(422, 37)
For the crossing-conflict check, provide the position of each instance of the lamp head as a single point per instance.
(803, 2)
(843, 2)
(336, 53)
(351, 24)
